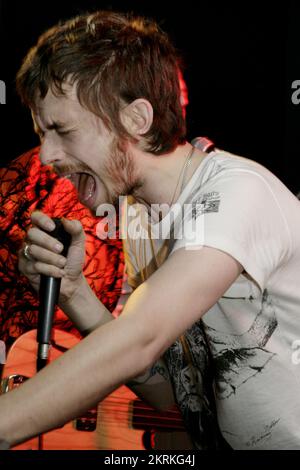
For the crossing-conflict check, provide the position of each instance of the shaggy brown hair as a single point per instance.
(112, 59)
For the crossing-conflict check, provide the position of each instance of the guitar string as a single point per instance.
(151, 417)
(139, 407)
(156, 421)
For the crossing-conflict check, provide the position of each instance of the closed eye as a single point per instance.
(64, 132)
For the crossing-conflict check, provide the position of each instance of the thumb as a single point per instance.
(76, 252)
(75, 229)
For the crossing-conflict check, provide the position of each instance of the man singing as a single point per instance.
(212, 247)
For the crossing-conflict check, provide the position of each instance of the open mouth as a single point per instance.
(85, 185)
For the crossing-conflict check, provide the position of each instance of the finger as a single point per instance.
(46, 256)
(48, 269)
(42, 220)
(28, 269)
(42, 239)
(25, 252)
(75, 229)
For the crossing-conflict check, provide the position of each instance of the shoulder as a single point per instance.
(225, 174)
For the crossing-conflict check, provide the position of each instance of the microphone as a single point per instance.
(48, 296)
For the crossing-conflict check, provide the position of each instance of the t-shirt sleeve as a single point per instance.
(237, 212)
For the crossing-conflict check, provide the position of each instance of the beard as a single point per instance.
(121, 172)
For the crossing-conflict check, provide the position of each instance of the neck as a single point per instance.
(164, 174)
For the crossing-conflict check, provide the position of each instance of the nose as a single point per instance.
(50, 152)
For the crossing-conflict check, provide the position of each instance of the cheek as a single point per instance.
(96, 151)
(82, 150)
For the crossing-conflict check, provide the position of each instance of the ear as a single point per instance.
(137, 117)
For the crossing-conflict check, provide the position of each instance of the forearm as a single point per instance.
(88, 313)
(85, 310)
(86, 374)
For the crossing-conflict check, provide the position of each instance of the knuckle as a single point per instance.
(31, 234)
(31, 269)
(37, 265)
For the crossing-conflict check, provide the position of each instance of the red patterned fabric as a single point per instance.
(25, 186)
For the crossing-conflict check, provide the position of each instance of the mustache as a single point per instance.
(68, 169)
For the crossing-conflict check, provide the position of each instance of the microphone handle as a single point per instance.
(49, 292)
(48, 295)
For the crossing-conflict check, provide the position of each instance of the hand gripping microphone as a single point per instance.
(48, 296)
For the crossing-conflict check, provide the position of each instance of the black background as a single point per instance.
(241, 58)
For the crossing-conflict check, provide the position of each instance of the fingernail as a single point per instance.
(58, 247)
(50, 225)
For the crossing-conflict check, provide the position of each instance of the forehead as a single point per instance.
(65, 111)
(56, 107)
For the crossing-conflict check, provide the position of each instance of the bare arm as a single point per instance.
(78, 300)
(88, 313)
(159, 311)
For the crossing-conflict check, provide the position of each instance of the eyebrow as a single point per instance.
(55, 125)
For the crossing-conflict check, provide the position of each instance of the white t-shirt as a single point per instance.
(241, 208)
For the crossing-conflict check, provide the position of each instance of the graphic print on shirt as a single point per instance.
(192, 381)
(238, 358)
(208, 202)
